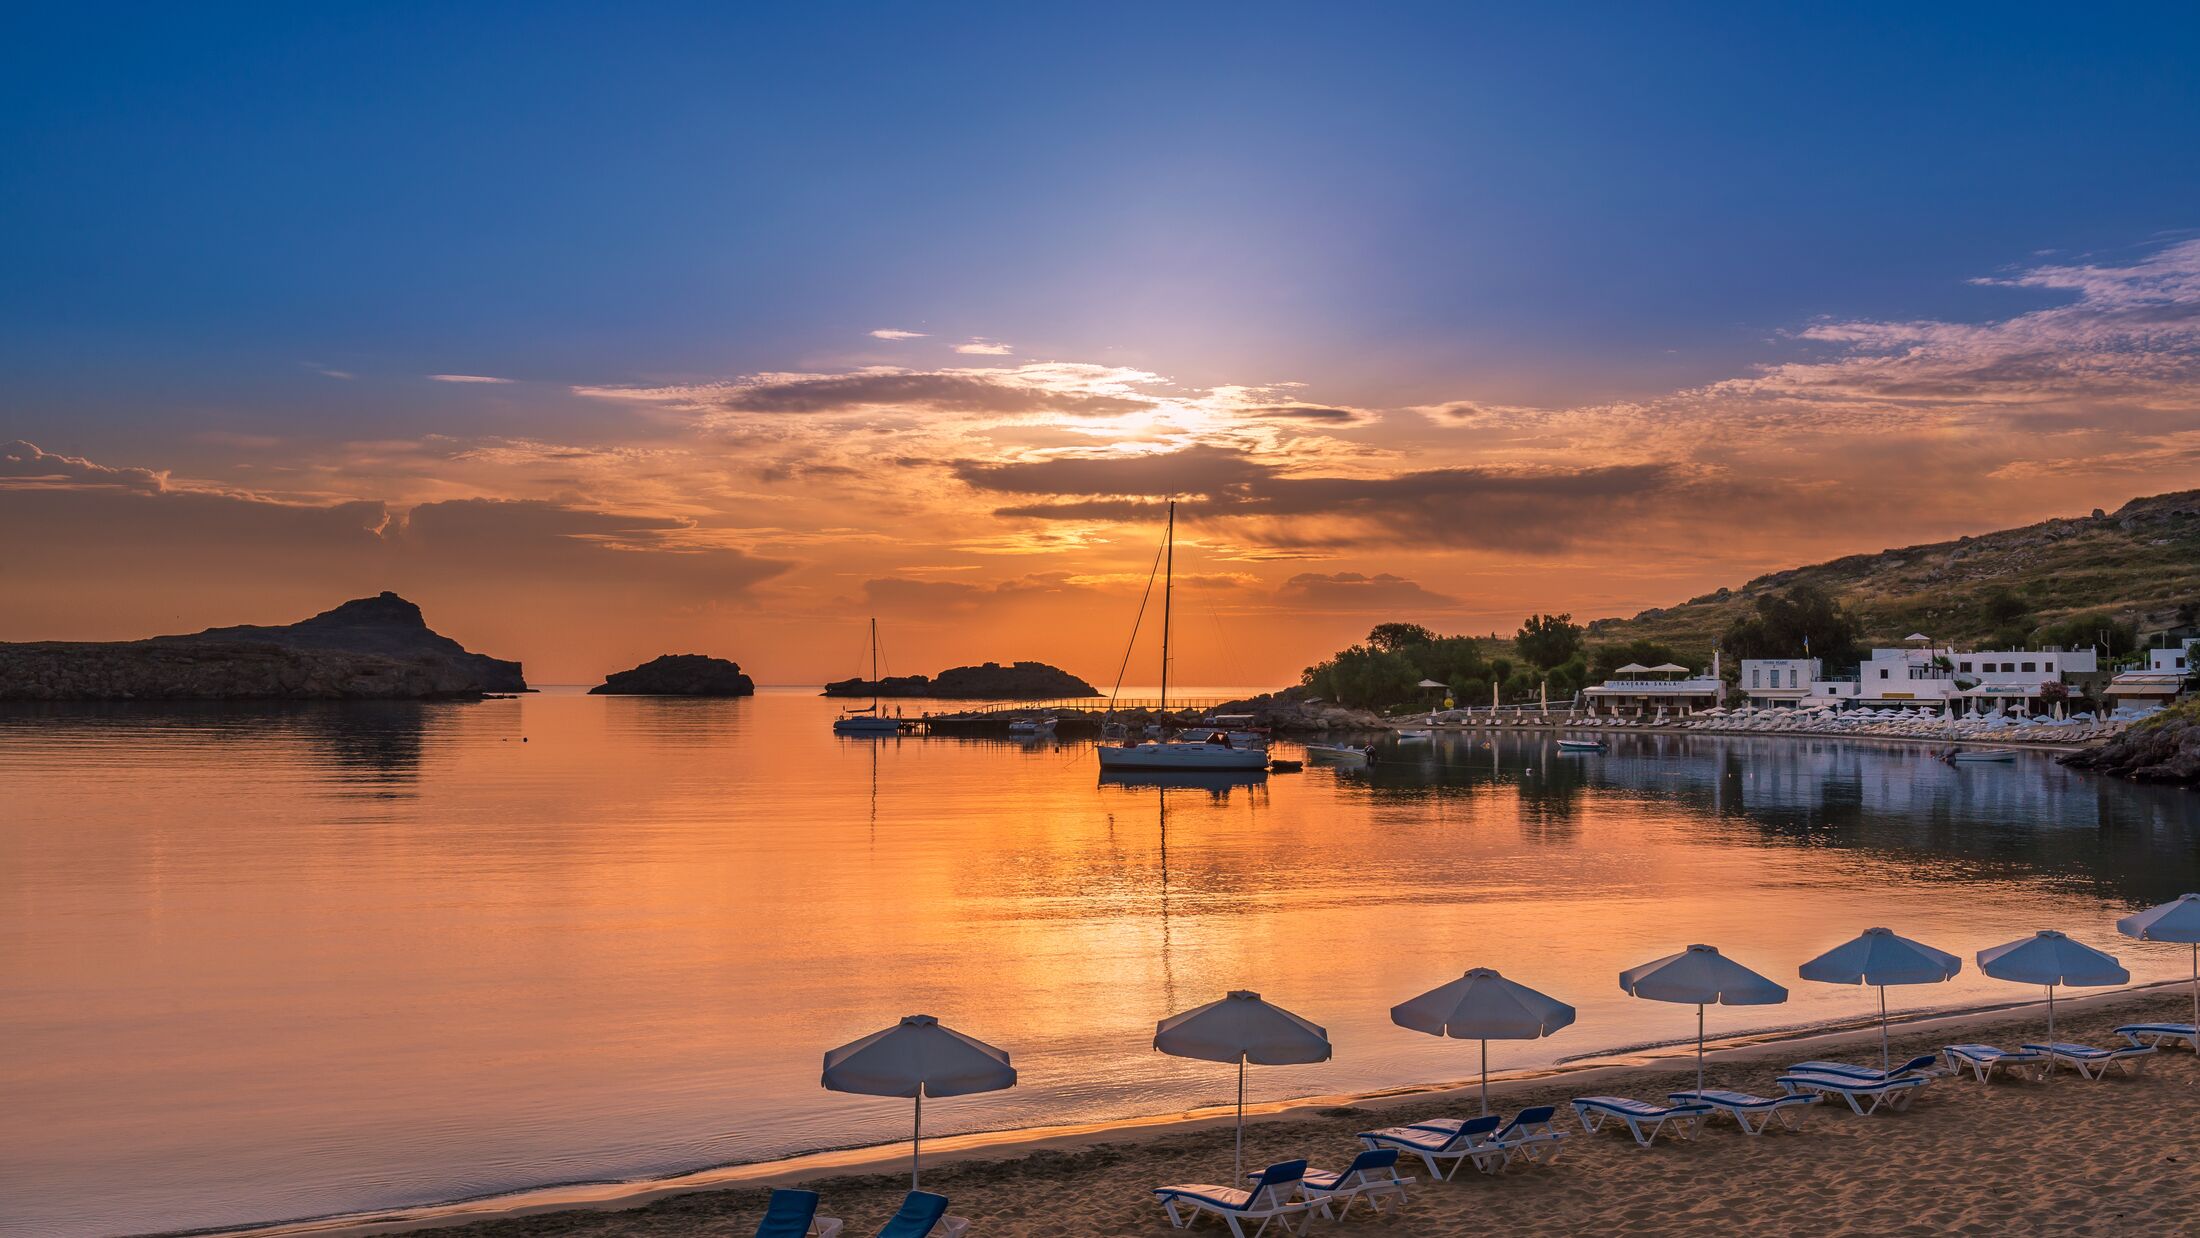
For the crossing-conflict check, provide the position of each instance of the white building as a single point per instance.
(1780, 681)
(1646, 691)
(2161, 683)
(1931, 677)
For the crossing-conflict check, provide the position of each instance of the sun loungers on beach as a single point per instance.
(1642, 1119)
(1985, 1061)
(2093, 1063)
(1274, 1196)
(1745, 1108)
(2156, 1035)
(793, 1214)
(1865, 1096)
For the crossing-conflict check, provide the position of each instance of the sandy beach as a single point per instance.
(2067, 1156)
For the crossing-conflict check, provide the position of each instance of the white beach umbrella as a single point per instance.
(917, 1058)
(2176, 920)
(2047, 957)
(1484, 1006)
(1700, 976)
(1878, 957)
(1242, 1028)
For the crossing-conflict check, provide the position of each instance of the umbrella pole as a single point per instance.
(2196, 985)
(1699, 1046)
(2051, 1014)
(916, 1141)
(1239, 1161)
(1884, 1060)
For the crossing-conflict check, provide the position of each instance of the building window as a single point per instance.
(1882, 672)
(1752, 676)
(2032, 666)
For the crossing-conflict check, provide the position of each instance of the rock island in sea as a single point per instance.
(377, 648)
(1028, 681)
(678, 674)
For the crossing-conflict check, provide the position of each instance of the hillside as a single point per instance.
(2140, 564)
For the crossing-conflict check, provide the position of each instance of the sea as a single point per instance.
(270, 962)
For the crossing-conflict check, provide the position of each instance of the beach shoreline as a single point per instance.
(982, 1161)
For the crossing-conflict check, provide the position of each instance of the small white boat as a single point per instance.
(1337, 754)
(1981, 756)
(1186, 755)
(868, 719)
(1581, 745)
(1415, 737)
(1033, 728)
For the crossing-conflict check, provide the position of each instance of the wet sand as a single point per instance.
(2067, 1156)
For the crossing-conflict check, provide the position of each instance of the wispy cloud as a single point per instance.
(984, 348)
(896, 333)
(465, 378)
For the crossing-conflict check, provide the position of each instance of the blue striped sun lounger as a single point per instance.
(1924, 1064)
(1532, 1135)
(793, 1214)
(1743, 1107)
(2155, 1035)
(1372, 1176)
(2092, 1063)
(1454, 1140)
(1985, 1060)
(1596, 1111)
(1274, 1197)
(1893, 1095)
(921, 1213)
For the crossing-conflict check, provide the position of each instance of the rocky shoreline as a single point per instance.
(377, 648)
(2162, 749)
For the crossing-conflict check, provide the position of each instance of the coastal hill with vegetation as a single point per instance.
(1019, 681)
(377, 648)
(2135, 570)
(2108, 581)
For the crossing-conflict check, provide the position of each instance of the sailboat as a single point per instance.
(1216, 752)
(868, 719)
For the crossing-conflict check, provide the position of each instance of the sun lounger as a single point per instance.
(1923, 1064)
(1743, 1107)
(1984, 1060)
(1372, 1176)
(1437, 1141)
(1596, 1111)
(1532, 1135)
(2155, 1035)
(793, 1214)
(1273, 1197)
(1893, 1095)
(922, 1214)
(2092, 1063)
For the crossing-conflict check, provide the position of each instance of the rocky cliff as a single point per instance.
(679, 674)
(1021, 681)
(2164, 748)
(377, 648)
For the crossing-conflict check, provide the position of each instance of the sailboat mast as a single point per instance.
(874, 664)
(1168, 594)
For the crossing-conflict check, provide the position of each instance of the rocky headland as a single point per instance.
(377, 648)
(1019, 681)
(2163, 748)
(678, 674)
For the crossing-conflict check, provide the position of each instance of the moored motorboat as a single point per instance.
(1339, 754)
(1032, 728)
(1581, 745)
(1979, 756)
(1415, 737)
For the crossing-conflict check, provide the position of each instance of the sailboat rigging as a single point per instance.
(1216, 752)
(867, 719)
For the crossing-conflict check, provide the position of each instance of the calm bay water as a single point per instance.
(262, 963)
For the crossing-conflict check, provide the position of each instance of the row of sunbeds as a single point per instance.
(1289, 1190)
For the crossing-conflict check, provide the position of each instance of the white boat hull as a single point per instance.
(866, 726)
(1195, 756)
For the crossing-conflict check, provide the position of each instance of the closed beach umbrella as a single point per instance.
(1700, 976)
(1242, 1028)
(1878, 957)
(2176, 920)
(2047, 957)
(917, 1058)
(1484, 1006)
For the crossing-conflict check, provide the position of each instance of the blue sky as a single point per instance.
(238, 241)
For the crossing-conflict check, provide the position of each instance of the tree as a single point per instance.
(1398, 637)
(1365, 678)
(1547, 640)
(1786, 625)
(2097, 631)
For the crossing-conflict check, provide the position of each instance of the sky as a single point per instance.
(720, 329)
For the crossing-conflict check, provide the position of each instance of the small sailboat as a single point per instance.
(868, 719)
(1216, 751)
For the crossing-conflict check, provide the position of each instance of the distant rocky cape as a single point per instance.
(1028, 681)
(2164, 748)
(678, 674)
(377, 648)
